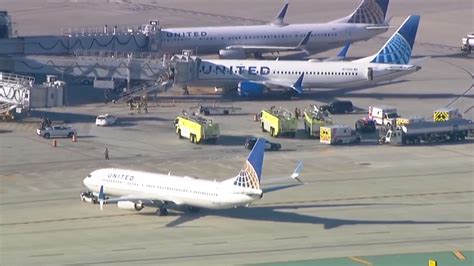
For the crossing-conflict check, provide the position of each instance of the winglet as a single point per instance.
(279, 20)
(302, 44)
(296, 172)
(343, 52)
(101, 197)
(298, 86)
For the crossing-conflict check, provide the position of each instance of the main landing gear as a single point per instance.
(162, 211)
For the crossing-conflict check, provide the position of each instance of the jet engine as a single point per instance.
(232, 54)
(250, 89)
(130, 205)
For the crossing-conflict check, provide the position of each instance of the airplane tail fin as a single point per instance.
(251, 172)
(280, 18)
(368, 12)
(397, 50)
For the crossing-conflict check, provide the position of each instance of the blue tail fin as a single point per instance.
(280, 19)
(370, 12)
(251, 173)
(397, 50)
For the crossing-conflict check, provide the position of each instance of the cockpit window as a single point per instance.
(89, 176)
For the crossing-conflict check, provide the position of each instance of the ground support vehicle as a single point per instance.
(467, 43)
(56, 131)
(385, 116)
(429, 131)
(197, 129)
(314, 119)
(338, 135)
(89, 197)
(278, 122)
(215, 110)
(445, 114)
(365, 125)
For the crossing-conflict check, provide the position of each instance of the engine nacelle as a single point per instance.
(130, 205)
(232, 54)
(250, 89)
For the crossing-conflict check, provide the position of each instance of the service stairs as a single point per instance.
(138, 91)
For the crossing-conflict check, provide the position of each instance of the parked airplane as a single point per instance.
(253, 78)
(237, 42)
(138, 189)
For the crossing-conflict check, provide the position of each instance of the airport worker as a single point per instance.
(106, 153)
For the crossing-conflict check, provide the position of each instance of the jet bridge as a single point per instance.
(184, 68)
(19, 93)
(119, 38)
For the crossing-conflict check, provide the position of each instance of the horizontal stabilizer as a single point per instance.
(296, 172)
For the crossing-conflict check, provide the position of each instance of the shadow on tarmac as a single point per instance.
(280, 214)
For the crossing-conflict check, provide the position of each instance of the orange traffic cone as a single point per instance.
(74, 139)
(55, 143)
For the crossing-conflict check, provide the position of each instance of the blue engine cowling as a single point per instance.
(250, 89)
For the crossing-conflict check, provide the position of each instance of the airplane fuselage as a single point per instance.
(228, 73)
(209, 40)
(167, 188)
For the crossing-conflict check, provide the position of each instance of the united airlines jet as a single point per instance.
(252, 78)
(237, 42)
(136, 189)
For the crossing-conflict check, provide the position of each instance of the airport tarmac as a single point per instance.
(357, 200)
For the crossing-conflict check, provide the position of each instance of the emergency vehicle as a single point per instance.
(338, 134)
(445, 114)
(385, 116)
(278, 122)
(314, 118)
(197, 129)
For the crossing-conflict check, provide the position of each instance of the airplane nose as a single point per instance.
(87, 180)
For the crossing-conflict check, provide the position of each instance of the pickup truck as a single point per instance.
(56, 131)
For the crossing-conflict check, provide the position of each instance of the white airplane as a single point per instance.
(253, 78)
(237, 42)
(136, 189)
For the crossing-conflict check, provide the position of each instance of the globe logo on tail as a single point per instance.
(369, 12)
(247, 177)
(396, 51)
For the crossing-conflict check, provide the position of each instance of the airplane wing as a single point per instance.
(136, 199)
(276, 182)
(283, 84)
(268, 49)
